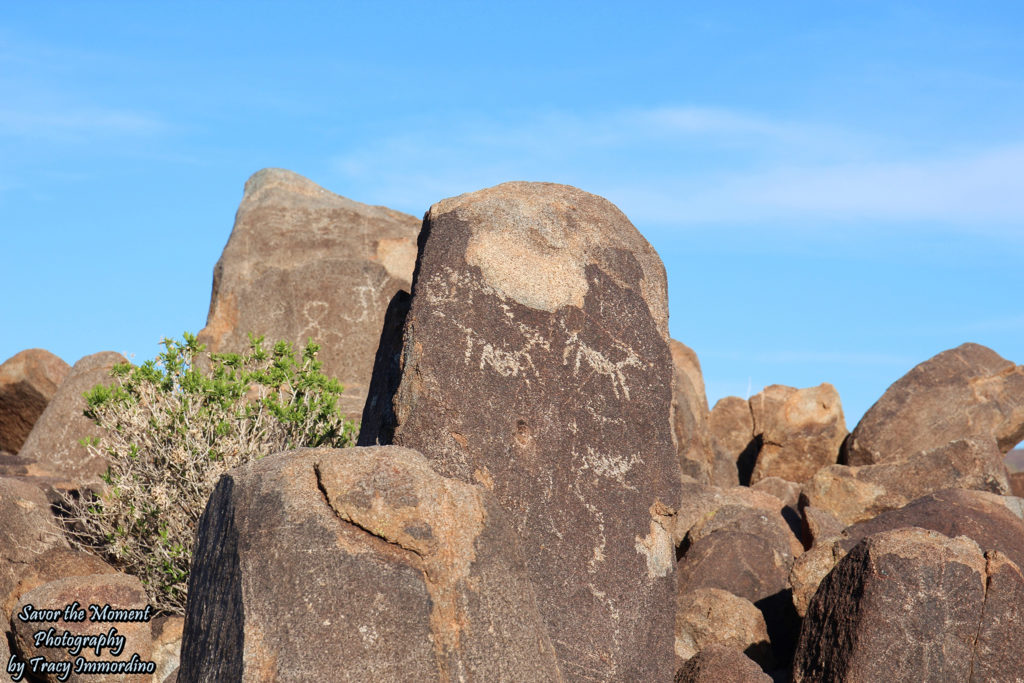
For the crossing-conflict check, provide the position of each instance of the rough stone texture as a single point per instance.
(997, 653)
(854, 494)
(690, 415)
(167, 632)
(702, 502)
(27, 530)
(732, 437)
(53, 445)
(120, 591)
(819, 525)
(983, 517)
(721, 664)
(1017, 483)
(302, 262)
(56, 563)
(28, 380)
(910, 604)
(1015, 461)
(713, 616)
(966, 392)
(801, 431)
(783, 489)
(5, 650)
(536, 362)
(359, 564)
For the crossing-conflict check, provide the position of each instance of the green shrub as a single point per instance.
(172, 427)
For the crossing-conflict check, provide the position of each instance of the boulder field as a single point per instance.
(541, 491)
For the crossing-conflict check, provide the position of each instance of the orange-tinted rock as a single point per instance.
(54, 564)
(28, 380)
(302, 262)
(969, 392)
(358, 564)
(721, 664)
(732, 438)
(535, 361)
(801, 431)
(54, 443)
(708, 616)
(690, 414)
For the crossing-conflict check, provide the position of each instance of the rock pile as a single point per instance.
(540, 492)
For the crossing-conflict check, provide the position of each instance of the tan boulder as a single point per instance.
(707, 616)
(28, 530)
(732, 438)
(303, 263)
(721, 664)
(969, 392)
(28, 380)
(690, 415)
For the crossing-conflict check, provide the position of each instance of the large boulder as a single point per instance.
(28, 380)
(966, 392)
(721, 664)
(28, 530)
(708, 616)
(800, 430)
(54, 445)
(732, 438)
(535, 361)
(854, 494)
(690, 415)
(302, 262)
(912, 604)
(990, 520)
(358, 564)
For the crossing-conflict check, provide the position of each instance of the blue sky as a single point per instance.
(837, 189)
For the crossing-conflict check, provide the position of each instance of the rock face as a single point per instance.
(27, 530)
(359, 564)
(912, 604)
(732, 437)
(966, 392)
(120, 591)
(302, 262)
(854, 494)
(28, 380)
(721, 664)
(53, 445)
(801, 431)
(690, 415)
(709, 616)
(535, 361)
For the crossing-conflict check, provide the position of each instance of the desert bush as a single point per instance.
(171, 428)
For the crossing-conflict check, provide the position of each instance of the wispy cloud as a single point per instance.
(679, 166)
(71, 122)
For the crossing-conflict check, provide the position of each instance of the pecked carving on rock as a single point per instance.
(534, 361)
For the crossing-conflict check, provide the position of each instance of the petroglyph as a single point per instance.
(611, 466)
(600, 364)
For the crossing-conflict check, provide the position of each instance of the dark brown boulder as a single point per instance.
(120, 592)
(359, 564)
(54, 445)
(732, 438)
(28, 530)
(966, 392)
(28, 380)
(910, 604)
(535, 361)
(854, 494)
(800, 430)
(690, 415)
(302, 262)
(721, 664)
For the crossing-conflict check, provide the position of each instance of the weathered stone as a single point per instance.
(732, 437)
(1015, 461)
(1017, 483)
(358, 564)
(167, 631)
(989, 520)
(709, 616)
(119, 591)
(854, 494)
(27, 530)
(819, 525)
(721, 664)
(702, 502)
(690, 414)
(907, 604)
(785, 490)
(997, 655)
(53, 564)
(302, 262)
(53, 445)
(801, 431)
(28, 380)
(535, 361)
(964, 393)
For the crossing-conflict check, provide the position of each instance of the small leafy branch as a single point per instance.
(172, 427)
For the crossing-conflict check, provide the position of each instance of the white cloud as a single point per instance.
(679, 166)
